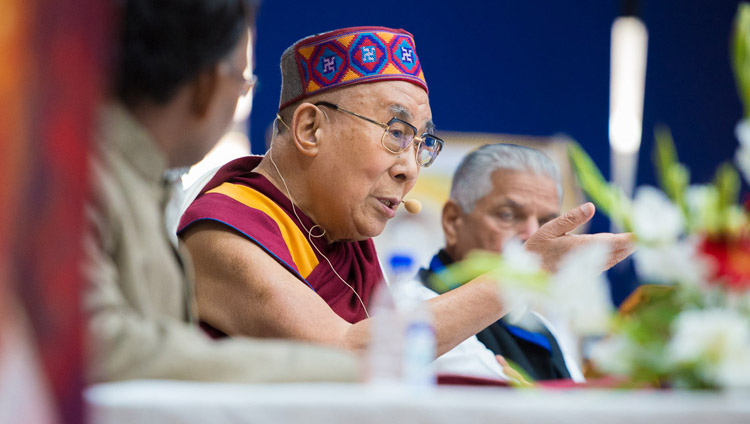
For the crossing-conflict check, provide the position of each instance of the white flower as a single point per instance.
(579, 291)
(677, 262)
(742, 157)
(518, 266)
(519, 259)
(742, 132)
(734, 370)
(717, 341)
(614, 355)
(655, 218)
(701, 200)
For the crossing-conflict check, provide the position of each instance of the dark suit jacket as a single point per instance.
(542, 361)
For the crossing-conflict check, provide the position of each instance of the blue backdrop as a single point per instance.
(540, 68)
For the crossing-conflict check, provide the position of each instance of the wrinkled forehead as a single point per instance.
(389, 99)
(403, 113)
(524, 186)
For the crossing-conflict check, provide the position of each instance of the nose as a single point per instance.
(406, 169)
(528, 227)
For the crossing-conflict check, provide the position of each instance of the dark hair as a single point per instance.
(164, 44)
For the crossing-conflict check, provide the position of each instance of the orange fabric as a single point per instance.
(302, 253)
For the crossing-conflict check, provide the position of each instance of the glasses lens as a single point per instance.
(398, 136)
(249, 84)
(429, 150)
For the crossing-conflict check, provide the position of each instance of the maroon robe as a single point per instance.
(248, 203)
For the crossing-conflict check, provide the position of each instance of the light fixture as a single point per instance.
(627, 86)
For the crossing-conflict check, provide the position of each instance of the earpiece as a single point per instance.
(412, 206)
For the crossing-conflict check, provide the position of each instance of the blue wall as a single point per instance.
(540, 68)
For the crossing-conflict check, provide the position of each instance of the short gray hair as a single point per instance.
(473, 178)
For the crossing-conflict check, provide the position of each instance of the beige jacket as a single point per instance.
(138, 295)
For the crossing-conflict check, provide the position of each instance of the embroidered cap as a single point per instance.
(348, 56)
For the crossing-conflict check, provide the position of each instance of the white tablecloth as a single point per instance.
(146, 402)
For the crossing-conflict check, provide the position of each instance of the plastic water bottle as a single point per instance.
(419, 348)
(384, 365)
(419, 334)
(403, 345)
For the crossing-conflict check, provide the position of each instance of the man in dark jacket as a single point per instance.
(501, 192)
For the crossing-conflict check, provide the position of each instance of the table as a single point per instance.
(146, 402)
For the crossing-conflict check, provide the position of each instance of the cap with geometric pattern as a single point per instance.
(345, 57)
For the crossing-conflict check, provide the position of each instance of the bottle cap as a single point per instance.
(401, 261)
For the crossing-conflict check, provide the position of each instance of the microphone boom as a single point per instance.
(412, 206)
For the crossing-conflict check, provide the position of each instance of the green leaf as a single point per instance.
(727, 183)
(608, 198)
(480, 262)
(741, 54)
(461, 272)
(673, 176)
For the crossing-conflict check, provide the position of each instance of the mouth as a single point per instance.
(390, 205)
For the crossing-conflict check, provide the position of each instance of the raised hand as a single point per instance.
(552, 241)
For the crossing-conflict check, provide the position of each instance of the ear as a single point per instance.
(306, 128)
(451, 220)
(204, 89)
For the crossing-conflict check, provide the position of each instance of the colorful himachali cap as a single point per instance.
(346, 57)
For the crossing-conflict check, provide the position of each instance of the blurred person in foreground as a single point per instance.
(179, 70)
(283, 245)
(502, 192)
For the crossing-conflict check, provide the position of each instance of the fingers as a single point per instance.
(552, 242)
(572, 219)
(618, 241)
(623, 242)
(515, 377)
(501, 360)
(621, 246)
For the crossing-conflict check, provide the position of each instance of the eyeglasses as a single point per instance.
(248, 83)
(399, 136)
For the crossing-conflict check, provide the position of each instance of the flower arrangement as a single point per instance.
(688, 325)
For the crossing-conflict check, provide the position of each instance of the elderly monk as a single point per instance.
(282, 243)
(502, 192)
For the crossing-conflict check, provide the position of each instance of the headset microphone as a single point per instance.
(412, 206)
